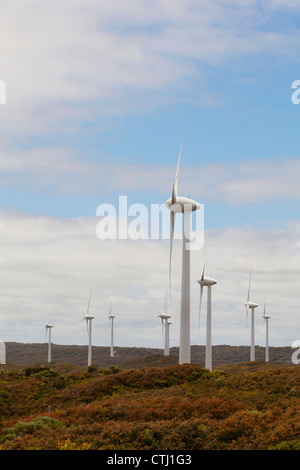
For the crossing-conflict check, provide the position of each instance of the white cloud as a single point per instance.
(234, 183)
(68, 62)
(49, 265)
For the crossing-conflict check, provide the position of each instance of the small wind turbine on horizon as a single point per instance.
(88, 318)
(252, 306)
(48, 332)
(111, 322)
(165, 324)
(208, 282)
(179, 204)
(266, 320)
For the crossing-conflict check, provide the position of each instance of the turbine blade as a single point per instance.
(200, 303)
(202, 275)
(175, 185)
(88, 307)
(172, 227)
(165, 306)
(248, 297)
(247, 312)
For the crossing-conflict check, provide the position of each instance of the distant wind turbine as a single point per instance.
(165, 326)
(252, 306)
(266, 320)
(205, 281)
(48, 331)
(111, 321)
(179, 204)
(88, 318)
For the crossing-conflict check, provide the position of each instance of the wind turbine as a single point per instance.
(180, 204)
(165, 324)
(266, 320)
(208, 282)
(88, 318)
(111, 321)
(48, 330)
(252, 306)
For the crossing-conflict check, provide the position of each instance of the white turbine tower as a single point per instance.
(111, 321)
(167, 337)
(48, 331)
(266, 320)
(2, 352)
(179, 204)
(88, 318)
(252, 306)
(208, 282)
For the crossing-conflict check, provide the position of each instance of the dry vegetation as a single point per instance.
(247, 406)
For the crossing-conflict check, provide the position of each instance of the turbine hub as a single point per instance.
(182, 204)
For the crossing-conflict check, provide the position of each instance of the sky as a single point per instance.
(99, 96)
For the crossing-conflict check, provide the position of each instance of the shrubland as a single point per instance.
(181, 407)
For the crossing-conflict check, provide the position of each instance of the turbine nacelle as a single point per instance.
(164, 316)
(207, 281)
(88, 317)
(182, 204)
(251, 305)
(266, 317)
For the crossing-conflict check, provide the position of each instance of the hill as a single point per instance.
(130, 357)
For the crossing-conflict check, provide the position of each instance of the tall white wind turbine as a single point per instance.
(179, 204)
(88, 318)
(266, 320)
(111, 321)
(48, 331)
(252, 306)
(208, 282)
